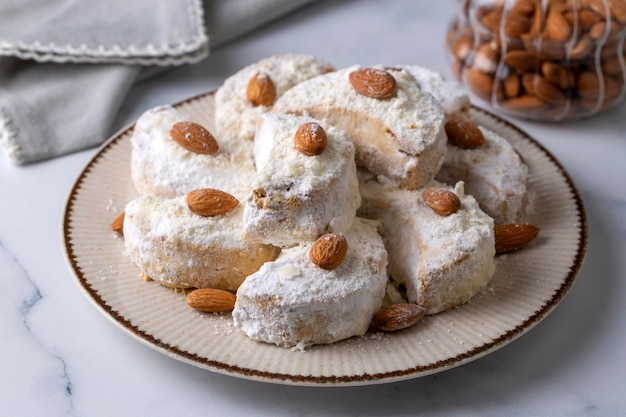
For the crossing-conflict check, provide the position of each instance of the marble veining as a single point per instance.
(19, 309)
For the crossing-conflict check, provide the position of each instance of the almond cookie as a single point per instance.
(251, 91)
(292, 302)
(493, 173)
(440, 261)
(295, 196)
(161, 166)
(398, 134)
(180, 249)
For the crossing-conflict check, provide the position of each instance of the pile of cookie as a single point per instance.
(322, 203)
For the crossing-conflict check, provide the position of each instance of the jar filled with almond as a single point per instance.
(547, 60)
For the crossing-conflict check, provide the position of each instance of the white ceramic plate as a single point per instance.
(527, 286)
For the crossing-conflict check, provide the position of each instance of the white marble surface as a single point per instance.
(61, 357)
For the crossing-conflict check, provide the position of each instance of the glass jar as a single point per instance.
(547, 60)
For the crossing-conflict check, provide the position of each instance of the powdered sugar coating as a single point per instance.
(180, 249)
(401, 137)
(235, 116)
(161, 167)
(442, 261)
(493, 173)
(296, 197)
(291, 302)
(450, 94)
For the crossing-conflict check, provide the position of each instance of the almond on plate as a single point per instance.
(397, 317)
(512, 236)
(211, 300)
(118, 224)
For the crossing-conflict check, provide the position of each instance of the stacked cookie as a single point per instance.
(321, 196)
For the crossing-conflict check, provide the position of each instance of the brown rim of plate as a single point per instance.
(361, 379)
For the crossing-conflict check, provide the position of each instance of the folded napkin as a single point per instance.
(67, 65)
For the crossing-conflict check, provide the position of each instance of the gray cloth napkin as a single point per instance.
(67, 65)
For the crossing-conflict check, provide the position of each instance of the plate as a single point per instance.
(527, 286)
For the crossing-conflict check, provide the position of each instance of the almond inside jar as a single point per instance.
(548, 61)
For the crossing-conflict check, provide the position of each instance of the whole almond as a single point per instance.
(520, 60)
(557, 74)
(489, 16)
(480, 82)
(329, 251)
(511, 85)
(194, 137)
(542, 89)
(597, 6)
(558, 6)
(462, 47)
(557, 27)
(486, 58)
(261, 90)
(548, 92)
(583, 48)
(601, 29)
(210, 202)
(524, 7)
(310, 139)
(464, 133)
(597, 30)
(373, 82)
(512, 236)
(525, 104)
(118, 224)
(397, 317)
(211, 300)
(441, 201)
(528, 82)
(589, 85)
(618, 10)
(587, 18)
(551, 49)
(538, 22)
(516, 24)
